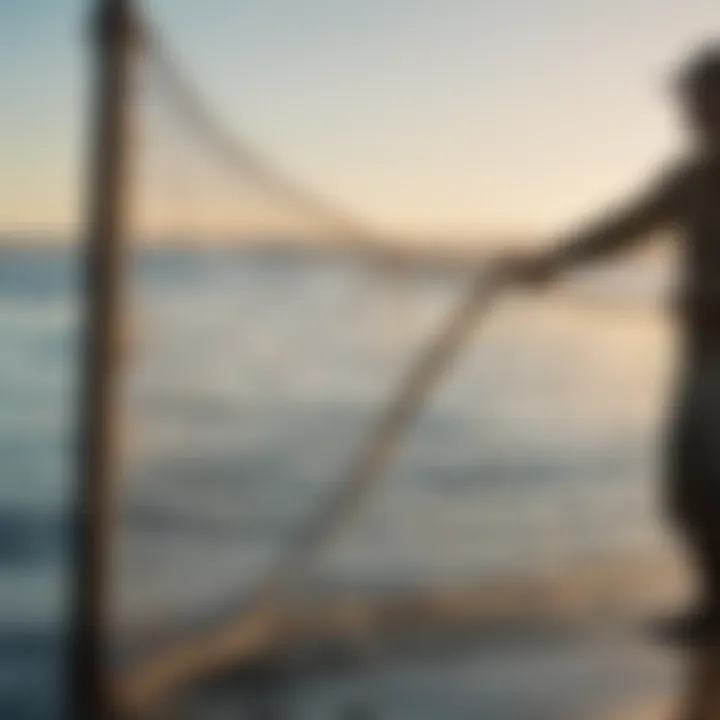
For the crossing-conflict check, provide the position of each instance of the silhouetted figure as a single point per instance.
(685, 197)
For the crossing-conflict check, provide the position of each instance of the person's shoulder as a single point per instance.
(677, 179)
(689, 169)
(680, 170)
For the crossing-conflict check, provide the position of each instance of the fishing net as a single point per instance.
(277, 460)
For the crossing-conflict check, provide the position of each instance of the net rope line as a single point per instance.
(143, 685)
(171, 667)
(387, 255)
(352, 232)
(237, 155)
(182, 661)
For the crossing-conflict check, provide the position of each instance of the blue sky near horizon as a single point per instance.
(506, 116)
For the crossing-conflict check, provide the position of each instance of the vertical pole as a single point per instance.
(90, 691)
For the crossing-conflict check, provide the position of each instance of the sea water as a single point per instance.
(249, 383)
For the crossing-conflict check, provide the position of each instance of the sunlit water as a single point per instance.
(250, 384)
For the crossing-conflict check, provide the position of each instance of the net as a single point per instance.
(510, 475)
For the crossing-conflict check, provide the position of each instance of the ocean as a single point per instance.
(249, 383)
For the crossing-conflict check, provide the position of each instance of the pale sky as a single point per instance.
(504, 115)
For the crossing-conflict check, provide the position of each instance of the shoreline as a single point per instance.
(326, 631)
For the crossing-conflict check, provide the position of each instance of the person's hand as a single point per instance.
(529, 269)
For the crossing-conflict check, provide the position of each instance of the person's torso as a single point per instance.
(700, 225)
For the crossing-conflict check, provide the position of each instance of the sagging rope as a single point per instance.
(242, 159)
(155, 679)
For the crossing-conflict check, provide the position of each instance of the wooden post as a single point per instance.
(90, 691)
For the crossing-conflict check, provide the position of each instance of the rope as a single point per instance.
(367, 471)
(144, 685)
(243, 160)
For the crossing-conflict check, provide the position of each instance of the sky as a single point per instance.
(476, 115)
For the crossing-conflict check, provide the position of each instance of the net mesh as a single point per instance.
(268, 330)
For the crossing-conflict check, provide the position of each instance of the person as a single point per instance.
(685, 197)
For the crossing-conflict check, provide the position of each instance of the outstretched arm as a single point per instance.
(618, 230)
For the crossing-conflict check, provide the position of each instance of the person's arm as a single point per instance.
(616, 231)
